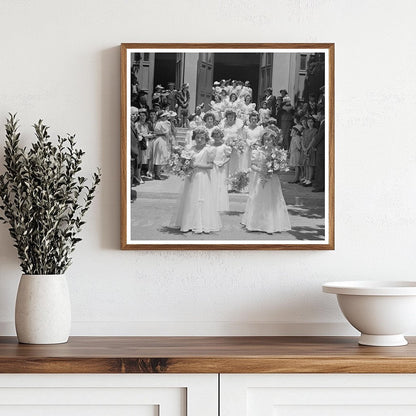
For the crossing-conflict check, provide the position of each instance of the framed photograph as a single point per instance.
(227, 146)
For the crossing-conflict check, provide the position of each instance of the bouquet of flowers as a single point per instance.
(276, 161)
(239, 180)
(255, 146)
(180, 161)
(236, 143)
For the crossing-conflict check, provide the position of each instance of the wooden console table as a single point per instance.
(113, 355)
(206, 376)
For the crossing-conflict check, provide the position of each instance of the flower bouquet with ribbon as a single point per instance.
(236, 143)
(239, 180)
(180, 161)
(275, 161)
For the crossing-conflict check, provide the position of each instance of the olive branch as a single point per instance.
(44, 198)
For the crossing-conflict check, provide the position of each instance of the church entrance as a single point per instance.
(238, 66)
(165, 69)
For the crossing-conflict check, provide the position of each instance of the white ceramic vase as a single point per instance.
(43, 309)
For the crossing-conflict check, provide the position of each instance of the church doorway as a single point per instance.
(238, 66)
(165, 69)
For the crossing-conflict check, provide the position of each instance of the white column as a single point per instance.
(285, 73)
(190, 76)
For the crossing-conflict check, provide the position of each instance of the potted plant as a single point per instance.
(44, 199)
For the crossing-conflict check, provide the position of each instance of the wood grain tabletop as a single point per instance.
(206, 355)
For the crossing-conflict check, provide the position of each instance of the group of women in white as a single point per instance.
(226, 140)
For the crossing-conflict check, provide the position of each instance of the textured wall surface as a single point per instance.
(60, 62)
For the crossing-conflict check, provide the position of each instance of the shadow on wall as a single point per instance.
(9, 280)
(109, 130)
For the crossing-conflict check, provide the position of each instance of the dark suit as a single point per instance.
(171, 99)
(271, 104)
(135, 154)
(286, 123)
(319, 144)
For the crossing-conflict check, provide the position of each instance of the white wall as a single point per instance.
(60, 61)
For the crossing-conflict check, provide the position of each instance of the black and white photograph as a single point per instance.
(227, 147)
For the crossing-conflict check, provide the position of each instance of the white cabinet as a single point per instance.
(317, 394)
(109, 395)
(197, 394)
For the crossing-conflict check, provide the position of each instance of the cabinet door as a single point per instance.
(108, 395)
(318, 394)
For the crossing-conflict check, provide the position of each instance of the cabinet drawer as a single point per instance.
(317, 394)
(108, 395)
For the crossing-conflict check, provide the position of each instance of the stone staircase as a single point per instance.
(181, 135)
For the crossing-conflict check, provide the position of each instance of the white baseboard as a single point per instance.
(201, 329)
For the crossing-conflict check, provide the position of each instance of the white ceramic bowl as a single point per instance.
(381, 311)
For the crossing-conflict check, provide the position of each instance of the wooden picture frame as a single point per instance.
(290, 66)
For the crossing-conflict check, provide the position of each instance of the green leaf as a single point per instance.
(44, 198)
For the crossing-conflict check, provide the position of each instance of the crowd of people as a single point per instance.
(229, 137)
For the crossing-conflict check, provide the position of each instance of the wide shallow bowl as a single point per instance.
(381, 311)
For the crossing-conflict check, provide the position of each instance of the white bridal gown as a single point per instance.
(196, 210)
(251, 137)
(219, 177)
(266, 208)
(230, 132)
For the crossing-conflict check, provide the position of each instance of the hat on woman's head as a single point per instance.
(269, 133)
(134, 110)
(172, 114)
(274, 128)
(142, 110)
(164, 113)
(217, 83)
(185, 85)
(158, 87)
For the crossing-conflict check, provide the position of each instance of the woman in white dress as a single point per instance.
(233, 129)
(234, 104)
(251, 136)
(160, 145)
(266, 207)
(196, 210)
(247, 108)
(217, 107)
(219, 174)
(209, 120)
(225, 100)
(143, 131)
